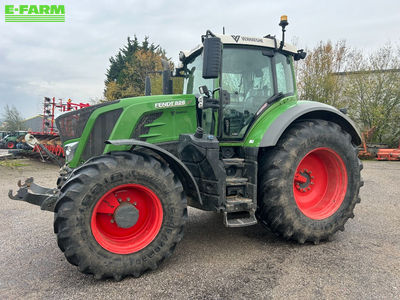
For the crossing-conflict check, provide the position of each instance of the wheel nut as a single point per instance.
(112, 220)
(308, 188)
(119, 199)
(312, 182)
(128, 199)
(312, 177)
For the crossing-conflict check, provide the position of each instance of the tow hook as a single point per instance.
(35, 194)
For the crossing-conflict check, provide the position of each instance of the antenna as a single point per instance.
(223, 29)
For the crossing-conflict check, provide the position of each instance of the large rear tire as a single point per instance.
(309, 182)
(119, 215)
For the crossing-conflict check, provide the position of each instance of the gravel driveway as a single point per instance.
(214, 262)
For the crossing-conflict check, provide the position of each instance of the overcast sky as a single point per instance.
(68, 60)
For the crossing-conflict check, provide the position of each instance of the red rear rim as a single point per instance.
(10, 145)
(320, 183)
(122, 240)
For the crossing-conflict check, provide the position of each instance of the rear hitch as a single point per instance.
(35, 194)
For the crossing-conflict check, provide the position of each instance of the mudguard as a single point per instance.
(178, 167)
(308, 110)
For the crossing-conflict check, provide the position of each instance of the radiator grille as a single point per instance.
(71, 124)
(101, 132)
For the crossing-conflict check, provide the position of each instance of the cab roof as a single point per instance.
(267, 42)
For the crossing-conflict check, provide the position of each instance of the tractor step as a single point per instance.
(237, 203)
(236, 181)
(236, 162)
(239, 219)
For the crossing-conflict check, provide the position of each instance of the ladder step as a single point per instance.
(237, 203)
(239, 219)
(238, 200)
(236, 181)
(238, 162)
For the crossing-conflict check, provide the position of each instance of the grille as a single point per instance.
(141, 129)
(101, 131)
(71, 124)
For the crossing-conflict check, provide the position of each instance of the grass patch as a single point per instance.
(12, 163)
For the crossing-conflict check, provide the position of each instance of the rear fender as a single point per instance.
(308, 110)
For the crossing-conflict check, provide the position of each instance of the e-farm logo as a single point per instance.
(34, 13)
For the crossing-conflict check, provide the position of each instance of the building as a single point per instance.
(34, 124)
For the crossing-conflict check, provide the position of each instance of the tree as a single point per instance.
(316, 79)
(373, 93)
(128, 69)
(366, 84)
(12, 119)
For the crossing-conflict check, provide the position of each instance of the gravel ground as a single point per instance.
(214, 262)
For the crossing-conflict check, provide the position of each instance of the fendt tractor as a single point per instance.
(236, 141)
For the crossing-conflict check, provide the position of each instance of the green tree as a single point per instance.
(12, 120)
(128, 69)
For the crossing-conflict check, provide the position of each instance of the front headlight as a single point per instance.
(70, 150)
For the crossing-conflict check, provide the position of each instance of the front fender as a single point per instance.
(308, 110)
(178, 167)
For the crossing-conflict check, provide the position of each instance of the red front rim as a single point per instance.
(320, 183)
(10, 145)
(127, 240)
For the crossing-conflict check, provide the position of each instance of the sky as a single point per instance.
(69, 60)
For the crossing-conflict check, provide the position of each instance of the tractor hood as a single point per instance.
(154, 119)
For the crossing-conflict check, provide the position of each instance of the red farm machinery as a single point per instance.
(376, 151)
(48, 137)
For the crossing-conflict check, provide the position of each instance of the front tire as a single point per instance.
(119, 215)
(309, 182)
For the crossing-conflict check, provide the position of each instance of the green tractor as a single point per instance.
(237, 141)
(11, 139)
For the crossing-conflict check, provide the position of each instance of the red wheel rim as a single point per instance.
(10, 145)
(320, 183)
(127, 240)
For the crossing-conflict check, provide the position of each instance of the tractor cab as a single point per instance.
(249, 75)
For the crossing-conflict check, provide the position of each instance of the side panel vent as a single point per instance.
(140, 126)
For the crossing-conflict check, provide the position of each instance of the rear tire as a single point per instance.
(93, 233)
(309, 182)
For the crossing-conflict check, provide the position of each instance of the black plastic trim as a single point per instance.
(177, 166)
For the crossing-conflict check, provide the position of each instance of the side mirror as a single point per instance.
(212, 57)
(300, 55)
